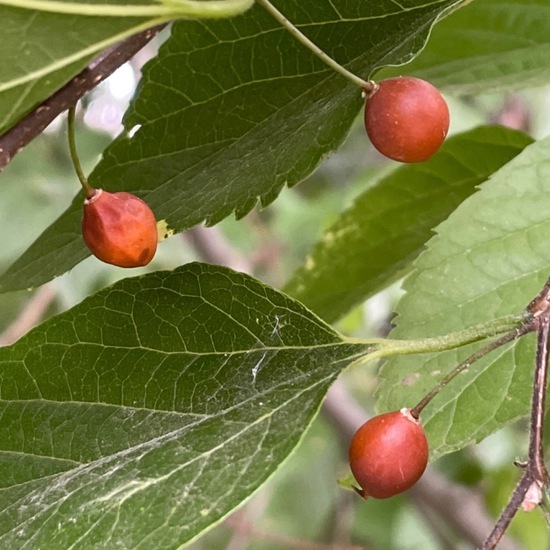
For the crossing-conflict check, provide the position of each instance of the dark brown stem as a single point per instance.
(98, 70)
(536, 448)
(508, 514)
(541, 302)
(528, 491)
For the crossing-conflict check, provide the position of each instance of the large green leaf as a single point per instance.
(489, 45)
(146, 413)
(373, 243)
(43, 47)
(490, 258)
(233, 110)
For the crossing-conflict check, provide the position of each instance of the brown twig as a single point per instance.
(291, 543)
(459, 506)
(528, 491)
(30, 315)
(212, 247)
(536, 447)
(438, 527)
(250, 514)
(98, 70)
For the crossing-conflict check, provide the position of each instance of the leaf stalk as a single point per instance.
(388, 347)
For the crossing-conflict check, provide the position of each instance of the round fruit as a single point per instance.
(388, 454)
(119, 229)
(406, 118)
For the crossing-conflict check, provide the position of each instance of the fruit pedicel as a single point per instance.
(118, 228)
(406, 118)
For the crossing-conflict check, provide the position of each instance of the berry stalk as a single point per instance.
(367, 85)
(514, 335)
(89, 191)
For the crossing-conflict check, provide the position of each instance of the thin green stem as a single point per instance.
(366, 85)
(509, 337)
(89, 191)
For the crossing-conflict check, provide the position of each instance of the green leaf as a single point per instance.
(39, 55)
(145, 414)
(487, 46)
(223, 118)
(373, 243)
(141, 8)
(489, 259)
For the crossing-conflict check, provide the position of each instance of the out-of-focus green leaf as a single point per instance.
(145, 414)
(374, 242)
(487, 46)
(45, 43)
(490, 258)
(40, 55)
(231, 111)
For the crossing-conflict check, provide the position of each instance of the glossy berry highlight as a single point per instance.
(119, 229)
(388, 454)
(406, 119)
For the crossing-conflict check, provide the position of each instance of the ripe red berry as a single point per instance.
(388, 454)
(406, 118)
(119, 229)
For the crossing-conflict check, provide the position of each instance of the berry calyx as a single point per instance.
(119, 228)
(388, 454)
(406, 118)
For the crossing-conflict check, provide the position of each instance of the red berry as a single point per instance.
(119, 229)
(406, 118)
(388, 454)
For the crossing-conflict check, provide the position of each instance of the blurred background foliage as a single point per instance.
(297, 509)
